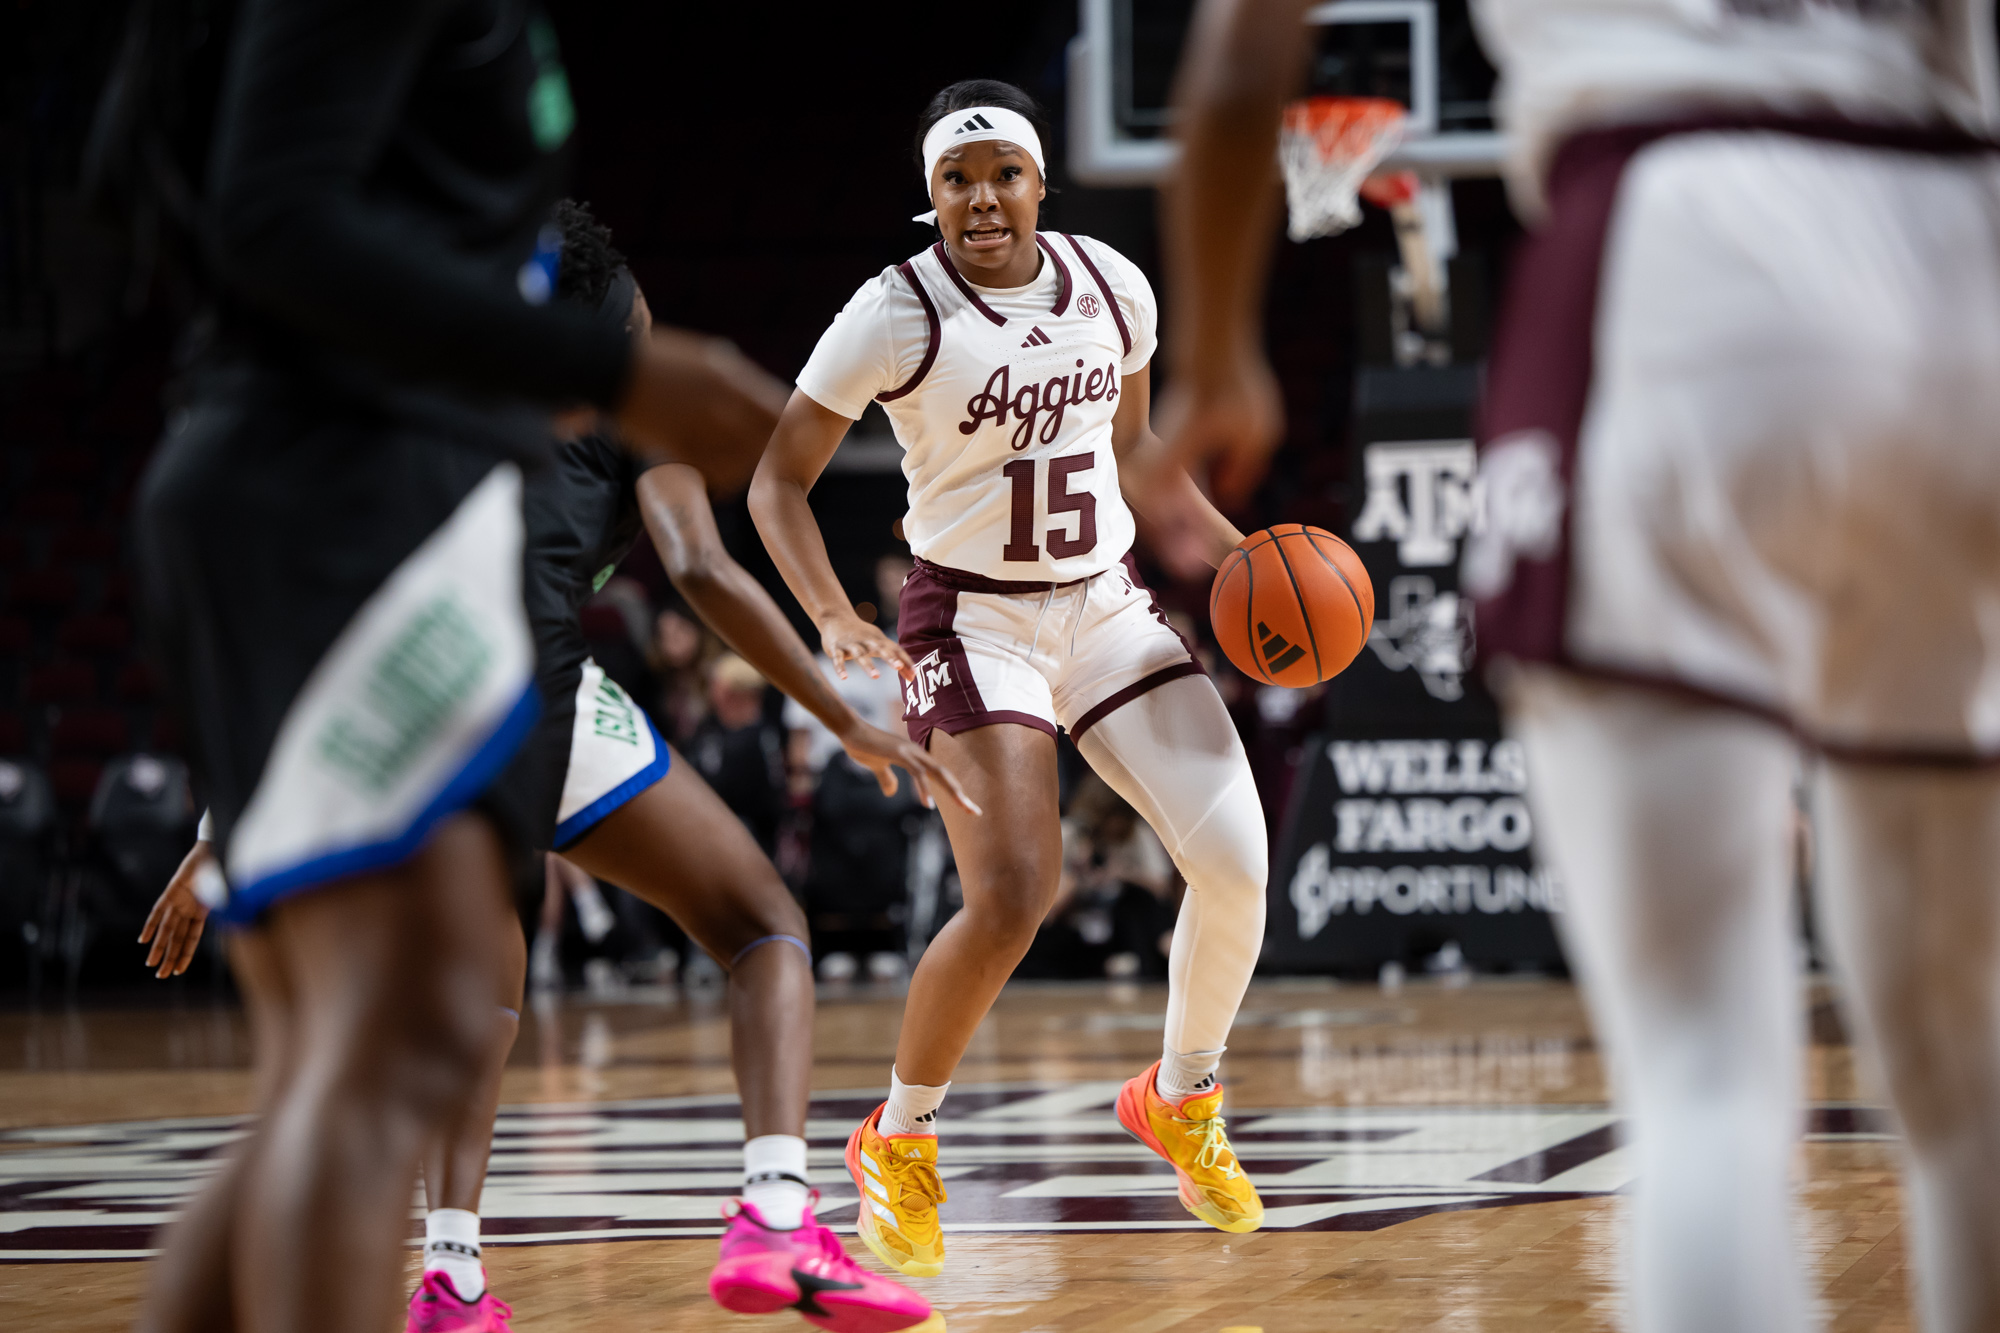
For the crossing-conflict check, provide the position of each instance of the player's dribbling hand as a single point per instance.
(846, 637)
(698, 400)
(882, 752)
(175, 924)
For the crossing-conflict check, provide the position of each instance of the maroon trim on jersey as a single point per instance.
(1119, 698)
(964, 286)
(925, 614)
(961, 580)
(1062, 270)
(930, 352)
(1110, 299)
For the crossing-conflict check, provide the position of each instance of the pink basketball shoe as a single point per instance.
(764, 1269)
(435, 1307)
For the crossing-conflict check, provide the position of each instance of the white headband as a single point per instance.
(978, 124)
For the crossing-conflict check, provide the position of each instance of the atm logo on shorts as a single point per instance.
(933, 674)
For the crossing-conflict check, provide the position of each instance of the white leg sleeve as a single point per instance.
(1669, 824)
(1174, 755)
(1909, 888)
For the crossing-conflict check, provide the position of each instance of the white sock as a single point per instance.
(774, 1179)
(1182, 1076)
(451, 1247)
(912, 1107)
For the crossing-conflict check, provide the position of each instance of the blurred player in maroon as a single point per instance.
(1739, 455)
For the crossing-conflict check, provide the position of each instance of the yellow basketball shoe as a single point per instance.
(1190, 1136)
(900, 1193)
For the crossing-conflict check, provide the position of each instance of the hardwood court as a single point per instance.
(1430, 1158)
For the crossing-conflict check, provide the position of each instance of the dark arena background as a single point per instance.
(1413, 1084)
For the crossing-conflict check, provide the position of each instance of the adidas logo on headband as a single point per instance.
(978, 122)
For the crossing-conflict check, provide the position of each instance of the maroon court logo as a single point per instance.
(1024, 1157)
(1087, 305)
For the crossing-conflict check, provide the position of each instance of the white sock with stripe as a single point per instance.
(774, 1179)
(451, 1247)
(912, 1107)
(1186, 1075)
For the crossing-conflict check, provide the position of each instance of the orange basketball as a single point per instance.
(1292, 605)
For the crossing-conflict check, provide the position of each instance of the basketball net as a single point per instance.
(1329, 148)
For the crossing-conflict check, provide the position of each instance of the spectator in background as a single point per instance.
(617, 621)
(740, 750)
(678, 640)
(890, 572)
(855, 882)
(1116, 902)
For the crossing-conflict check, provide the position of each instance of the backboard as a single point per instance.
(1419, 52)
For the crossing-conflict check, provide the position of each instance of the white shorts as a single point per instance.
(1042, 655)
(410, 714)
(614, 754)
(1786, 482)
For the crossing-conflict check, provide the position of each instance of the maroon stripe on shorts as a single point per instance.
(962, 580)
(1119, 698)
(1540, 374)
(930, 352)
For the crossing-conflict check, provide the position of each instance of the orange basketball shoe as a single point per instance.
(1189, 1134)
(900, 1193)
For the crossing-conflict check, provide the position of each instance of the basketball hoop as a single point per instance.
(1327, 147)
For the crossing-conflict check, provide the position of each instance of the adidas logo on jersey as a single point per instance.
(976, 123)
(1036, 338)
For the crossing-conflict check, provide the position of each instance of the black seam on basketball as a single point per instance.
(1305, 616)
(1367, 620)
(1250, 617)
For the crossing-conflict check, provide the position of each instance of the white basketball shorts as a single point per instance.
(1043, 655)
(614, 754)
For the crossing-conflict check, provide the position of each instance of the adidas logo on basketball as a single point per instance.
(1277, 651)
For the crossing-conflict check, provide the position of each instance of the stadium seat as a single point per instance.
(48, 504)
(27, 844)
(136, 684)
(62, 682)
(65, 465)
(84, 545)
(43, 592)
(90, 732)
(74, 780)
(94, 634)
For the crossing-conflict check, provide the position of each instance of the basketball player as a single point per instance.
(1743, 472)
(616, 804)
(1013, 366)
(331, 537)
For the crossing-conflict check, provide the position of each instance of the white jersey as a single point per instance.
(1002, 401)
(1567, 65)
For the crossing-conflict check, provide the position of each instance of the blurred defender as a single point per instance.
(331, 538)
(1742, 461)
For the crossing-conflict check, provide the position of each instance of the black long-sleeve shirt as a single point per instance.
(380, 171)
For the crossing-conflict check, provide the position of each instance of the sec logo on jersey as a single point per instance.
(1086, 305)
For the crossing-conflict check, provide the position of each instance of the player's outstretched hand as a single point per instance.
(695, 399)
(175, 924)
(1222, 422)
(848, 638)
(882, 752)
